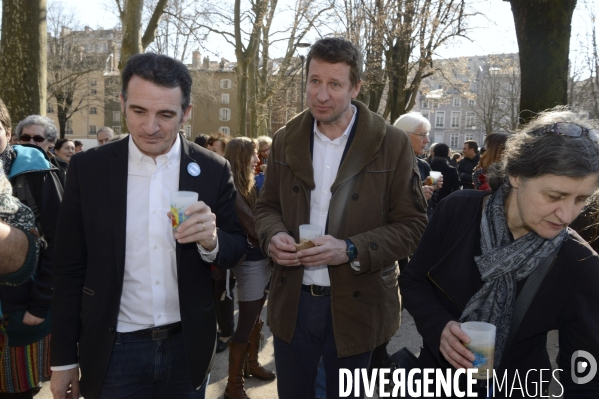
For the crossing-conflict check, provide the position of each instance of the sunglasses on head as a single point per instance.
(568, 129)
(37, 139)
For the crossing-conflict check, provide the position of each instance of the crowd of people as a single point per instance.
(99, 290)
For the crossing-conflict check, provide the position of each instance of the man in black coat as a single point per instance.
(468, 163)
(451, 180)
(132, 298)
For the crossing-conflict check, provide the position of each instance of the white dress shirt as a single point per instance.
(326, 158)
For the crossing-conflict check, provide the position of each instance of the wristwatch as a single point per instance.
(351, 251)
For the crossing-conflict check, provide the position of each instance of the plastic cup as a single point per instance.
(180, 201)
(435, 175)
(482, 344)
(308, 232)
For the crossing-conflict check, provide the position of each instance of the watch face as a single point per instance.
(351, 251)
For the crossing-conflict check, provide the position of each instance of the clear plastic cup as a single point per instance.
(482, 344)
(308, 232)
(435, 175)
(180, 201)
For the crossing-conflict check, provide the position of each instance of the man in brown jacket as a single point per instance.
(339, 166)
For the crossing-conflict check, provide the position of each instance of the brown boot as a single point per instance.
(252, 366)
(237, 356)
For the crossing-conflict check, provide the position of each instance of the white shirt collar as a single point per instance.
(174, 154)
(345, 133)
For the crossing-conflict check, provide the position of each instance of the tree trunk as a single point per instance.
(23, 61)
(543, 31)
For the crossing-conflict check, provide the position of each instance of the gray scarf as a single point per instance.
(502, 264)
(7, 156)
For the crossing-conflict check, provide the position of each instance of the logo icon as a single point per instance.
(579, 366)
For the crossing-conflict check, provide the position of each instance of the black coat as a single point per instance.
(451, 180)
(465, 168)
(442, 277)
(90, 260)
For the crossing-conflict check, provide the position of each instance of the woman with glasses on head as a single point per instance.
(489, 245)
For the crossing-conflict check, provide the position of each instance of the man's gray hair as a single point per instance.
(45, 122)
(411, 122)
(105, 129)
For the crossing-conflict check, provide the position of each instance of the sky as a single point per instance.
(493, 31)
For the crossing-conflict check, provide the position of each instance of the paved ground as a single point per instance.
(406, 336)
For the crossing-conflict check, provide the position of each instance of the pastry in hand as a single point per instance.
(304, 245)
(428, 181)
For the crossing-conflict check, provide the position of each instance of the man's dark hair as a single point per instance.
(160, 70)
(335, 50)
(472, 144)
(201, 140)
(77, 143)
(442, 150)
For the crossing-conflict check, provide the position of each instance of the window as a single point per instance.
(425, 114)
(435, 103)
(187, 129)
(49, 108)
(224, 98)
(92, 129)
(93, 82)
(440, 119)
(117, 129)
(93, 92)
(471, 102)
(116, 116)
(224, 114)
(468, 136)
(225, 84)
(69, 127)
(453, 140)
(470, 120)
(455, 119)
(93, 110)
(424, 104)
(224, 130)
(457, 101)
(116, 96)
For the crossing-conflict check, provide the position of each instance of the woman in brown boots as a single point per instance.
(253, 275)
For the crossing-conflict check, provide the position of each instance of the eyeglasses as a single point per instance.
(37, 139)
(423, 135)
(568, 129)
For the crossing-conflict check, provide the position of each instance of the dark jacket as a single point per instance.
(376, 202)
(465, 168)
(32, 166)
(451, 180)
(90, 260)
(437, 285)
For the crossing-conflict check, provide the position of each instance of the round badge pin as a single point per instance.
(193, 169)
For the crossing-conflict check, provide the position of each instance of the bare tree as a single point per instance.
(75, 65)
(491, 88)
(399, 38)
(583, 90)
(130, 13)
(253, 38)
(179, 31)
(23, 61)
